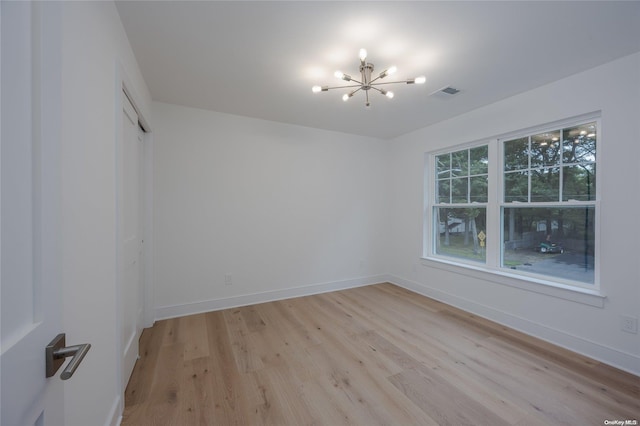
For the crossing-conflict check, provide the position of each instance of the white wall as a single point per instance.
(613, 89)
(94, 43)
(286, 210)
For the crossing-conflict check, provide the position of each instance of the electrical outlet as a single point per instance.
(629, 324)
(227, 279)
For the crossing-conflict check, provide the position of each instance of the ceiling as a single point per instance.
(260, 59)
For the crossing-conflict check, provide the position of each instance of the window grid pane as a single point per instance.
(553, 241)
(516, 154)
(460, 190)
(516, 186)
(545, 185)
(443, 191)
(545, 149)
(479, 160)
(461, 176)
(579, 182)
(461, 232)
(545, 157)
(460, 163)
(478, 189)
(443, 166)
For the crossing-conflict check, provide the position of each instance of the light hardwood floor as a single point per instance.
(365, 356)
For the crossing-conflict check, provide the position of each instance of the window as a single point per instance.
(551, 177)
(525, 204)
(460, 207)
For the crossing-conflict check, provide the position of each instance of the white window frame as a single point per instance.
(492, 270)
(433, 204)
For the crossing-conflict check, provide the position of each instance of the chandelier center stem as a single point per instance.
(365, 71)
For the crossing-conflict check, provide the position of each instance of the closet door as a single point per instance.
(131, 300)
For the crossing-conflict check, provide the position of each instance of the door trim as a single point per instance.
(124, 85)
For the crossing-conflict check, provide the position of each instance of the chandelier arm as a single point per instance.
(367, 93)
(392, 82)
(375, 88)
(344, 87)
(377, 78)
(355, 91)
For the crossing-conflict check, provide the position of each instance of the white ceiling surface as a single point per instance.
(260, 59)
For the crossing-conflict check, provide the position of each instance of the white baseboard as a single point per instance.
(173, 311)
(115, 416)
(622, 360)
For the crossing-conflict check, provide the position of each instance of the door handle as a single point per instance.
(56, 352)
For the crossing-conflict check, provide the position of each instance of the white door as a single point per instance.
(30, 283)
(131, 283)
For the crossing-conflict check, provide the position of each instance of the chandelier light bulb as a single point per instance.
(342, 76)
(316, 89)
(387, 93)
(363, 54)
(421, 79)
(387, 72)
(345, 97)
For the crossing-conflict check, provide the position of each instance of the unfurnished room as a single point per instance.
(319, 213)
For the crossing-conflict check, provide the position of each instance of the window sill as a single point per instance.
(575, 294)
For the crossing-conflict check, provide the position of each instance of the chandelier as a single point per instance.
(367, 81)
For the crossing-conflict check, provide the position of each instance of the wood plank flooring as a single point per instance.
(376, 355)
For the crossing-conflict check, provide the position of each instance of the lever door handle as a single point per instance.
(56, 352)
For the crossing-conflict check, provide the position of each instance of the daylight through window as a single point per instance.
(543, 218)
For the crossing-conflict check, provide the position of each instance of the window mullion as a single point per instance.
(561, 165)
(529, 170)
(450, 177)
(494, 236)
(468, 176)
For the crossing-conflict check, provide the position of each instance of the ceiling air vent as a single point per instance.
(450, 90)
(445, 94)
